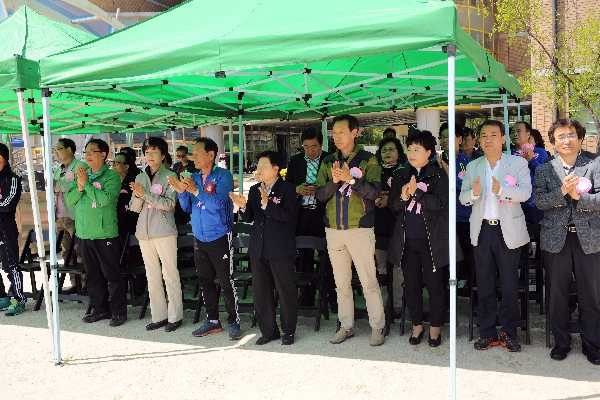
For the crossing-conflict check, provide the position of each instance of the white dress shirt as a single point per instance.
(492, 200)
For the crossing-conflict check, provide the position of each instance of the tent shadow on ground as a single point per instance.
(310, 343)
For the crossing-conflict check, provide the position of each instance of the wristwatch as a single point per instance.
(352, 181)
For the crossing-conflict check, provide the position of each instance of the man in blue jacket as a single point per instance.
(205, 194)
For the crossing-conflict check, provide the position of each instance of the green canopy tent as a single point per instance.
(27, 37)
(292, 60)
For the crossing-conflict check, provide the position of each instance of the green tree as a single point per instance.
(563, 63)
(370, 136)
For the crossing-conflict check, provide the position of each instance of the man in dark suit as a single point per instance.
(302, 172)
(183, 162)
(271, 205)
(568, 190)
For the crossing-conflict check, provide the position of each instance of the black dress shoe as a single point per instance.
(118, 320)
(266, 339)
(156, 325)
(591, 351)
(435, 342)
(71, 290)
(96, 316)
(559, 353)
(172, 326)
(288, 338)
(416, 340)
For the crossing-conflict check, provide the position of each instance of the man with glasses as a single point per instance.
(568, 190)
(63, 176)
(183, 162)
(94, 192)
(302, 172)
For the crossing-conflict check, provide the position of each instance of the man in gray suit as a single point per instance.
(495, 185)
(568, 190)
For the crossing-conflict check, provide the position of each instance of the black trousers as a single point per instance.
(268, 275)
(104, 276)
(310, 223)
(463, 233)
(215, 259)
(9, 257)
(586, 267)
(416, 262)
(491, 254)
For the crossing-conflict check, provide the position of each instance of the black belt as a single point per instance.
(492, 222)
(310, 207)
(571, 229)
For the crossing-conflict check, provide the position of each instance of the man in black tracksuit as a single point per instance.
(10, 193)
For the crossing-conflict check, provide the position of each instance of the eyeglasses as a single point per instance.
(388, 150)
(117, 163)
(570, 136)
(180, 155)
(93, 151)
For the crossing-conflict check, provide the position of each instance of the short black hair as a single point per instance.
(566, 123)
(492, 122)
(68, 143)
(422, 138)
(389, 130)
(275, 158)
(4, 153)
(311, 133)
(468, 132)
(458, 130)
(209, 145)
(528, 127)
(102, 146)
(128, 160)
(183, 148)
(156, 143)
(130, 152)
(396, 142)
(537, 138)
(352, 121)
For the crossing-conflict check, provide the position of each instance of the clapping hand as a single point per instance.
(495, 185)
(264, 196)
(304, 190)
(189, 184)
(82, 177)
(238, 199)
(569, 186)
(138, 189)
(476, 186)
(176, 184)
(412, 185)
(336, 172)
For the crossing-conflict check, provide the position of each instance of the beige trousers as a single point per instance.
(356, 245)
(163, 251)
(68, 225)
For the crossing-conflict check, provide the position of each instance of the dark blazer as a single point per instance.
(434, 208)
(296, 172)
(273, 233)
(126, 220)
(547, 196)
(190, 167)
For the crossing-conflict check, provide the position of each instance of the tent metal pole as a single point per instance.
(230, 120)
(518, 109)
(37, 221)
(173, 139)
(129, 139)
(47, 141)
(241, 144)
(324, 132)
(452, 211)
(505, 106)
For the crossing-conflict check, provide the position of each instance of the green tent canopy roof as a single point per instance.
(287, 60)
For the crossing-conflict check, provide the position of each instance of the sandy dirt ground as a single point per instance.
(129, 363)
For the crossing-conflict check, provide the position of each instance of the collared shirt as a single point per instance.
(312, 168)
(492, 201)
(269, 191)
(61, 211)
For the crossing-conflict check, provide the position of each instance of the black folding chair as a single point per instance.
(315, 279)
(132, 266)
(30, 264)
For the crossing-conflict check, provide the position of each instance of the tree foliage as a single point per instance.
(568, 63)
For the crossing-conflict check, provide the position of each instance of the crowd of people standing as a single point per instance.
(375, 211)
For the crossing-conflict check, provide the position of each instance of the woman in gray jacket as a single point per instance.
(155, 200)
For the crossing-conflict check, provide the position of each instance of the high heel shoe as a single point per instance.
(435, 342)
(416, 340)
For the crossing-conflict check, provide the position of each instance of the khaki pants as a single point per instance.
(156, 251)
(68, 225)
(397, 278)
(356, 245)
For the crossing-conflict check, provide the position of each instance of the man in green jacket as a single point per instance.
(63, 176)
(95, 192)
(349, 182)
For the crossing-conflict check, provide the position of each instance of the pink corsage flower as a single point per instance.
(389, 181)
(461, 175)
(584, 185)
(423, 187)
(509, 181)
(69, 176)
(156, 189)
(355, 172)
(275, 200)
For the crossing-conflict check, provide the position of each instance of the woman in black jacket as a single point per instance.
(126, 220)
(419, 196)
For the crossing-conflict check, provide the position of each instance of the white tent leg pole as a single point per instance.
(505, 106)
(173, 140)
(36, 211)
(452, 211)
(241, 143)
(47, 141)
(230, 145)
(324, 131)
(518, 110)
(129, 139)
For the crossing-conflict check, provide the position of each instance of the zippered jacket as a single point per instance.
(63, 183)
(10, 194)
(156, 207)
(434, 208)
(352, 206)
(96, 208)
(212, 211)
